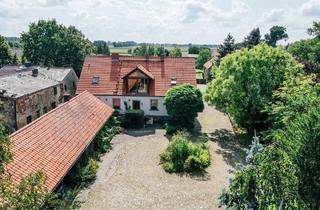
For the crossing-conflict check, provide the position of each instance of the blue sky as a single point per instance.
(171, 21)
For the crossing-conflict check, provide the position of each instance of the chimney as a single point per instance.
(35, 72)
(115, 57)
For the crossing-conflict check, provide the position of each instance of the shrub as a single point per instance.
(245, 81)
(185, 156)
(83, 173)
(270, 182)
(183, 102)
(134, 118)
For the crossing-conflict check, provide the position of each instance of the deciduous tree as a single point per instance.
(245, 81)
(276, 34)
(52, 44)
(5, 56)
(315, 29)
(175, 52)
(204, 56)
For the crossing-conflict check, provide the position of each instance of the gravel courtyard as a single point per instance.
(130, 176)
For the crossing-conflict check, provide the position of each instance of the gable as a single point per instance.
(111, 73)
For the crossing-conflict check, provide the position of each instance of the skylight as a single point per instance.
(95, 80)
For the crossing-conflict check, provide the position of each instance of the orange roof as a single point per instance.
(111, 70)
(142, 69)
(55, 141)
(210, 63)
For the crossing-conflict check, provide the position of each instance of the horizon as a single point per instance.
(147, 21)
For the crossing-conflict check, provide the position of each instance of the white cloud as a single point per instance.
(274, 15)
(175, 21)
(52, 3)
(193, 11)
(311, 8)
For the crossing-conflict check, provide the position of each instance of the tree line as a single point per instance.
(271, 90)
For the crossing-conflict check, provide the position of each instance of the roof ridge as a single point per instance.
(51, 111)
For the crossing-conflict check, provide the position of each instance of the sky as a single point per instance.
(163, 21)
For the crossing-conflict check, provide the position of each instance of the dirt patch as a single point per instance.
(130, 176)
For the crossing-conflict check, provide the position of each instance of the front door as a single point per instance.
(136, 104)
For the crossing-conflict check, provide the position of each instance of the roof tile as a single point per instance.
(54, 142)
(111, 73)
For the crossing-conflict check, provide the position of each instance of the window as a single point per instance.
(74, 85)
(95, 80)
(116, 103)
(154, 104)
(38, 113)
(55, 91)
(173, 81)
(53, 105)
(66, 98)
(65, 87)
(29, 119)
(45, 110)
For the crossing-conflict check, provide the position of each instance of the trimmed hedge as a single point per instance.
(134, 118)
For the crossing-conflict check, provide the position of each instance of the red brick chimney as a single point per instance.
(115, 56)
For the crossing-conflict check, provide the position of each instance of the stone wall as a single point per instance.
(37, 104)
(7, 113)
(70, 84)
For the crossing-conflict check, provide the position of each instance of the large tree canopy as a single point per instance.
(245, 81)
(51, 44)
(5, 56)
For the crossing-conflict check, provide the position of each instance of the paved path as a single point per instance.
(130, 176)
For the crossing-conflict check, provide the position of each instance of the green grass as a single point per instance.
(199, 74)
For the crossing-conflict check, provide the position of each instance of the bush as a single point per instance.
(134, 118)
(185, 156)
(245, 81)
(183, 102)
(270, 182)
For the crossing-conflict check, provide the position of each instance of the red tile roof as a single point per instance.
(111, 70)
(55, 141)
(210, 63)
(142, 69)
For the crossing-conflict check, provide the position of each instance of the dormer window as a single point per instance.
(138, 81)
(95, 80)
(173, 81)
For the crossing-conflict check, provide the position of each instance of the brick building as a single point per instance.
(27, 93)
(54, 142)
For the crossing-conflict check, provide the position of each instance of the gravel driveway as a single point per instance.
(130, 176)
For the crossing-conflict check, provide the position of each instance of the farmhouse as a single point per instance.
(54, 142)
(131, 82)
(27, 92)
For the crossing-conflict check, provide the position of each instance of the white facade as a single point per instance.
(145, 103)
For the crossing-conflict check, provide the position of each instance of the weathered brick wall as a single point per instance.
(7, 113)
(37, 104)
(70, 84)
